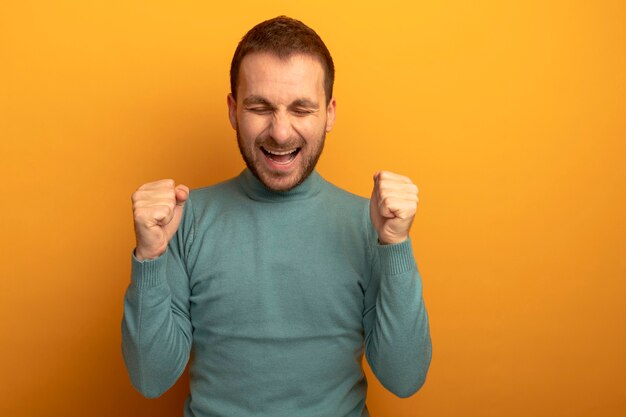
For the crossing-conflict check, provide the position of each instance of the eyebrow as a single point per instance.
(254, 100)
(304, 102)
(260, 100)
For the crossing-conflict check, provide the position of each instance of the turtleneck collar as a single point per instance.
(257, 191)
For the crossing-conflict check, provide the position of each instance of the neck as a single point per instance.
(256, 190)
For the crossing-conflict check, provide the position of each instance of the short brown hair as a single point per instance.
(283, 37)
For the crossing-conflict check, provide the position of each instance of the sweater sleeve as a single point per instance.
(156, 326)
(397, 335)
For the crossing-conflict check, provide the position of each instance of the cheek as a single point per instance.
(251, 127)
(311, 128)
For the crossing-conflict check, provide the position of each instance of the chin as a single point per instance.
(275, 180)
(278, 183)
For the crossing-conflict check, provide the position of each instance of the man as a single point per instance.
(276, 280)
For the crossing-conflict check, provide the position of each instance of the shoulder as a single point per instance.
(220, 189)
(347, 206)
(351, 213)
(344, 198)
(214, 198)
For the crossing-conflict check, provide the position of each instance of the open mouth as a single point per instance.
(281, 157)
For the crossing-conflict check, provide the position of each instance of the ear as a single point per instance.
(232, 110)
(331, 110)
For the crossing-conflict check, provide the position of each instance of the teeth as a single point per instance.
(280, 153)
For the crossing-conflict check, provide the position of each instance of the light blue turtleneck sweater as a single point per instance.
(276, 295)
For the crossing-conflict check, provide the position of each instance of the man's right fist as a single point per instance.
(157, 210)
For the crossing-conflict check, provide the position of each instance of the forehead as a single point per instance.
(281, 79)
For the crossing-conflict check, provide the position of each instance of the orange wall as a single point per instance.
(510, 116)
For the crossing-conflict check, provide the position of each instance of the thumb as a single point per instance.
(182, 193)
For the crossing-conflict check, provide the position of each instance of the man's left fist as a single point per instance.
(392, 206)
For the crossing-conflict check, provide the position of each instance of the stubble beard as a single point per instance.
(309, 163)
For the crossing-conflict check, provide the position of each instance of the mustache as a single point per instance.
(267, 141)
(270, 143)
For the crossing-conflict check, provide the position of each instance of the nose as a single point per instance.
(280, 128)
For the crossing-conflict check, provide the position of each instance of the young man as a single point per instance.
(276, 280)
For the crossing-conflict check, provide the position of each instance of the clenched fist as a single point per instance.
(393, 206)
(157, 210)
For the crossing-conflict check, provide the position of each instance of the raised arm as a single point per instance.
(397, 335)
(156, 327)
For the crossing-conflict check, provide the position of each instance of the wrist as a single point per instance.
(392, 241)
(142, 255)
(396, 258)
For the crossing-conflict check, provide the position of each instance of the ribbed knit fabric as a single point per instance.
(277, 296)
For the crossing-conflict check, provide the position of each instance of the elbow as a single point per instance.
(404, 386)
(137, 376)
(146, 386)
(143, 385)
(408, 390)
(419, 378)
(409, 387)
(149, 392)
(408, 379)
(146, 390)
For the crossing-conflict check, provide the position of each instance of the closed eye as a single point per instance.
(260, 110)
(302, 112)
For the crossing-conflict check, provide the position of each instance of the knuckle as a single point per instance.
(386, 201)
(385, 184)
(137, 196)
(140, 216)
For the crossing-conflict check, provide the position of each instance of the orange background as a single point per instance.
(510, 116)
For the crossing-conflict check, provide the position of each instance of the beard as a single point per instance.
(309, 158)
